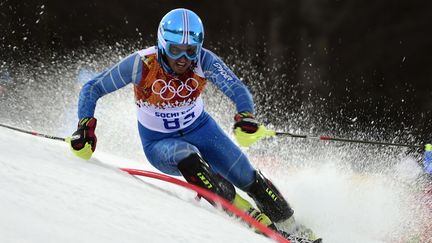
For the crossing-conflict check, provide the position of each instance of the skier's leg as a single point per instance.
(227, 159)
(177, 157)
(196, 171)
(165, 154)
(222, 155)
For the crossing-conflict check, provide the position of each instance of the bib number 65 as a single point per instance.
(176, 123)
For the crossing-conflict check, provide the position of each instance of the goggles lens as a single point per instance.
(176, 51)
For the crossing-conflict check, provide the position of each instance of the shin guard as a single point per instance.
(269, 200)
(196, 171)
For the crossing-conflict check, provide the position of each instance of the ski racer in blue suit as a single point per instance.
(178, 136)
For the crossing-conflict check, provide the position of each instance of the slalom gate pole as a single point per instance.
(325, 138)
(33, 133)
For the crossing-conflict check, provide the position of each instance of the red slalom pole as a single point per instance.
(211, 196)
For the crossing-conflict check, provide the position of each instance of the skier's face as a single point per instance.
(179, 65)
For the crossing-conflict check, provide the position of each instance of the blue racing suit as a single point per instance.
(172, 122)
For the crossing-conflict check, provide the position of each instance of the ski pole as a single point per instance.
(323, 138)
(326, 138)
(33, 133)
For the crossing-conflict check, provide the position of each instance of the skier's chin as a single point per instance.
(180, 70)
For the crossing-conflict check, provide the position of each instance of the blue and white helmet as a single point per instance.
(180, 32)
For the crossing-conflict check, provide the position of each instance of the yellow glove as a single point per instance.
(248, 131)
(83, 141)
(84, 153)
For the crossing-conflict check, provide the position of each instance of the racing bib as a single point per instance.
(167, 103)
(169, 119)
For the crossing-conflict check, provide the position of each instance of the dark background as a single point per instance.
(353, 63)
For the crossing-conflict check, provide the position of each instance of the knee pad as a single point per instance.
(197, 172)
(268, 199)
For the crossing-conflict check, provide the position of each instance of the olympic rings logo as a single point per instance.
(169, 91)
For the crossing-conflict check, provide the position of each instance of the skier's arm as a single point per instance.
(247, 130)
(219, 74)
(126, 71)
(83, 141)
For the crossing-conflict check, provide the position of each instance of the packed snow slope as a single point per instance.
(48, 195)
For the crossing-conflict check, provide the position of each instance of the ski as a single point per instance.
(293, 238)
(296, 239)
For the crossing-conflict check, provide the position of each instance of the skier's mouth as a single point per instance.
(181, 64)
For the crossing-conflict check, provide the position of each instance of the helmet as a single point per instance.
(180, 32)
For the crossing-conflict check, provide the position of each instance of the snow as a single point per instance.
(48, 195)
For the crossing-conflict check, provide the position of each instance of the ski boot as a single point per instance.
(247, 207)
(244, 205)
(270, 201)
(296, 229)
(197, 172)
(297, 239)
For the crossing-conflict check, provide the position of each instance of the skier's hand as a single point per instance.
(83, 141)
(247, 130)
(246, 122)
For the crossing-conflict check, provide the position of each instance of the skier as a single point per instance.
(427, 159)
(177, 135)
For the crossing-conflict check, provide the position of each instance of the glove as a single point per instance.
(83, 141)
(247, 130)
(427, 161)
(246, 122)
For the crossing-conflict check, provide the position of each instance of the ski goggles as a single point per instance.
(175, 51)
